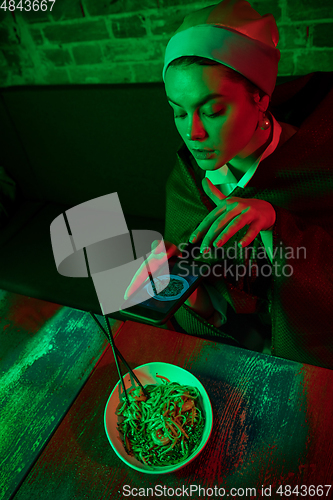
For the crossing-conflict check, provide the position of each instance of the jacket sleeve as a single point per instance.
(302, 309)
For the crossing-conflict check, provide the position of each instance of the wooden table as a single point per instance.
(47, 353)
(273, 422)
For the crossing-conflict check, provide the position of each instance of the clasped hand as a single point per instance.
(230, 216)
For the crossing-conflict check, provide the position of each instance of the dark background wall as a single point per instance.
(69, 144)
(123, 41)
(72, 124)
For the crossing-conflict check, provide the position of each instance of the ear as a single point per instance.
(261, 102)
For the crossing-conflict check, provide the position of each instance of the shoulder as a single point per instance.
(186, 168)
(287, 132)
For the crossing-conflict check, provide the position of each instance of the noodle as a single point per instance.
(165, 428)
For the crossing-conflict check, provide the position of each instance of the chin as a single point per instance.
(212, 164)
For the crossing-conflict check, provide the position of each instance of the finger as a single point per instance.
(150, 266)
(160, 249)
(202, 229)
(232, 228)
(154, 244)
(138, 279)
(212, 191)
(250, 235)
(173, 251)
(157, 246)
(218, 226)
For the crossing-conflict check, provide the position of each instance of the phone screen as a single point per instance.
(161, 303)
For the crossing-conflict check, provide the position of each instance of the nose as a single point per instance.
(196, 130)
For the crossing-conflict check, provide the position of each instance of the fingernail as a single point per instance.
(204, 250)
(240, 244)
(192, 238)
(219, 244)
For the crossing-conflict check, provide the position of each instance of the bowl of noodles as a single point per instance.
(167, 430)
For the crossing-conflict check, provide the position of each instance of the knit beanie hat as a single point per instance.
(234, 34)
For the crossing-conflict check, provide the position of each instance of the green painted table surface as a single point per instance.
(272, 426)
(46, 355)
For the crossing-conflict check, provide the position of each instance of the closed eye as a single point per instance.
(212, 115)
(218, 113)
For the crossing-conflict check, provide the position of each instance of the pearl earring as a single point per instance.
(265, 123)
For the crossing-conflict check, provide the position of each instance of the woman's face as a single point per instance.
(216, 117)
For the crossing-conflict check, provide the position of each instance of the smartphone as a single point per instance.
(157, 309)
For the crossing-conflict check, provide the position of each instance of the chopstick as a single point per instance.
(116, 354)
(153, 283)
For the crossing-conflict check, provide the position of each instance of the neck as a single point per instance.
(240, 164)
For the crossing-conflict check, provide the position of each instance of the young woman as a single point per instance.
(254, 193)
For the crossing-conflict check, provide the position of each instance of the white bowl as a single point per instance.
(147, 375)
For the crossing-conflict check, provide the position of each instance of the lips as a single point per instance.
(203, 154)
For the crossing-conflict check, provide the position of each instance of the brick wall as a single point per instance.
(123, 41)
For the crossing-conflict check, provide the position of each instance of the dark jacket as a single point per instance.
(297, 179)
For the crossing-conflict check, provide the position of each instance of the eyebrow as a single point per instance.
(205, 99)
